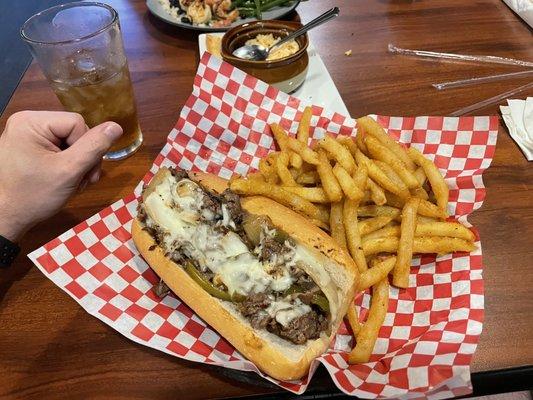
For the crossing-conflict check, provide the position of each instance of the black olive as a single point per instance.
(174, 3)
(186, 20)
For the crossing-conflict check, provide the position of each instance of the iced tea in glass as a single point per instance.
(79, 48)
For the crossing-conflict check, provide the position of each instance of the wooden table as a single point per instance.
(50, 347)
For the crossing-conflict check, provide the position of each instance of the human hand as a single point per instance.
(45, 156)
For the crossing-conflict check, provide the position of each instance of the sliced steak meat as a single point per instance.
(233, 205)
(307, 296)
(141, 212)
(271, 248)
(161, 289)
(210, 206)
(179, 174)
(301, 329)
(254, 303)
(253, 309)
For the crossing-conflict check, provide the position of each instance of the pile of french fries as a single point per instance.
(380, 201)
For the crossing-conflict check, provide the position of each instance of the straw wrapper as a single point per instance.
(431, 329)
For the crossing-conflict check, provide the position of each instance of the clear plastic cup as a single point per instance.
(79, 48)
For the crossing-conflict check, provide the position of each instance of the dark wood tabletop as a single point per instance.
(50, 347)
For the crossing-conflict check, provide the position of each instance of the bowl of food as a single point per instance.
(286, 66)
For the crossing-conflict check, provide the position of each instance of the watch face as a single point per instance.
(8, 252)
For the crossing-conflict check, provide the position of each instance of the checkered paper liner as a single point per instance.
(431, 329)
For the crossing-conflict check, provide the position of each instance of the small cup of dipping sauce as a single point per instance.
(286, 66)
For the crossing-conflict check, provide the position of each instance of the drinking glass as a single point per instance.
(79, 48)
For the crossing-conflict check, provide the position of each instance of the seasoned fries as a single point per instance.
(329, 182)
(353, 319)
(347, 184)
(379, 201)
(353, 237)
(372, 128)
(338, 152)
(400, 277)
(438, 185)
(379, 271)
(382, 153)
(336, 225)
(303, 127)
(366, 338)
(313, 194)
(246, 187)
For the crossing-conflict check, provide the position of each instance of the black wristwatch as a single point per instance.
(8, 252)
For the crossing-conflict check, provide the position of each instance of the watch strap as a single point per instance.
(8, 252)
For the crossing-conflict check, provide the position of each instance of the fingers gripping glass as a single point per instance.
(79, 48)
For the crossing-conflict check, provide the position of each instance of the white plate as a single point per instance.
(157, 9)
(318, 88)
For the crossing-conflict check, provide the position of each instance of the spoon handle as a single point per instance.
(330, 14)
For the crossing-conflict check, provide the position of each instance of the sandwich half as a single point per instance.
(266, 279)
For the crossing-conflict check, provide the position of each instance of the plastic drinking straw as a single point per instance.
(491, 100)
(482, 79)
(460, 57)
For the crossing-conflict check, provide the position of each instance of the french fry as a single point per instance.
(349, 143)
(428, 209)
(340, 153)
(303, 127)
(329, 182)
(295, 160)
(420, 193)
(421, 245)
(366, 198)
(430, 228)
(400, 275)
(282, 138)
(392, 175)
(308, 178)
(378, 176)
(438, 185)
(376, 193)
(360, 142)
(450, 229)
(378, 271)
(321, 224)
(282, 161)
(366, 338)
(347, 183)
(313, 194)
(295, 173)
(425, 208)
(268, 169)
(420, 176)
(372, 128)
(352, 234)
(336, 225)
(387, 231)
(276, 193)
(256, 176)
(360, 177)
(308, 155)
(379, 211)
(353, 319)
(426, 220)
(369, 225)
(382, 153)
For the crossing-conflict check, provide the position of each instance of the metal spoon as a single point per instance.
(259, 53)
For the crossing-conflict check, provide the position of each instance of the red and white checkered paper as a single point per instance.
(431, 329)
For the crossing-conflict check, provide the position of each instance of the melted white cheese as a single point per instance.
(223, 254)
(284, 312)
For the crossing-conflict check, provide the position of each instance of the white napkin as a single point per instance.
(518, 117)
(524, 8)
